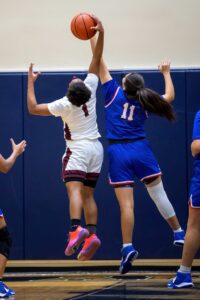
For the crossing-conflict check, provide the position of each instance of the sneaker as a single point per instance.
(90, 247)
(10, 291)
(128, 255)
(4, 292)
(75, 239)
(182, 280)
(179, 238)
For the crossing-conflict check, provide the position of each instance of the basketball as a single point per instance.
(81, 26)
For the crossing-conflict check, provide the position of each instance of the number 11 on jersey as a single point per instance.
(128, 111)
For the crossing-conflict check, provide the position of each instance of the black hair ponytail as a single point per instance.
(150, 100)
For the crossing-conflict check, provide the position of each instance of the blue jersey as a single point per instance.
(196, 127)
(124, 117)
(194, 199)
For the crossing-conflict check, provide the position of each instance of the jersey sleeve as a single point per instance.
(59, 107)
(196, 127)
(109, 89)
(91, 81)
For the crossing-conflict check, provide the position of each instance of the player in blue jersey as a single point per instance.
(183, 277)
(130, 156)
(5, 239)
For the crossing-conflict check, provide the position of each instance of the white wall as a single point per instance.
(138, 34)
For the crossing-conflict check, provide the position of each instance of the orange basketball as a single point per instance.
(81, 26)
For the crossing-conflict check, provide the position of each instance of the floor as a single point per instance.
(94, 285)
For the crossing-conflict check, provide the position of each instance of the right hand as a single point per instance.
(32, 75)
(18, 148)
(99, 26)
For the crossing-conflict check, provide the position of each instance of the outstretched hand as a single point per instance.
(18, 148)
(164, 66)
(99, 26)
(33, 76)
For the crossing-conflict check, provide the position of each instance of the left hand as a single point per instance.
(164, 66)
(32, 75)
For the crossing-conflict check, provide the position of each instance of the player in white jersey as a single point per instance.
(83, 158)
(5, 239)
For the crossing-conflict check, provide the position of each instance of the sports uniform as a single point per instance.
(84, 153)
(194, 199)
(1, 213)
(129, 152)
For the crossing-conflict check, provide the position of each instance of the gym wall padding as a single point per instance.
(34, 199)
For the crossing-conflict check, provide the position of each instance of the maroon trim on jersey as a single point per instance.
(67, 132)
(74, 173)
(85, 110)
(65, 160)
(92, 176)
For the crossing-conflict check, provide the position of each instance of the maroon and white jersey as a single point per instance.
(79, 122)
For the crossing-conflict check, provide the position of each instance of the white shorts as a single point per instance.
(82, 161)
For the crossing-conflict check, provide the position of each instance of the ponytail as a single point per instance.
(150, 100)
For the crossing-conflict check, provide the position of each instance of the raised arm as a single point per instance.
(164, 68)
(17, 149)
(103, 72)
(33, 107)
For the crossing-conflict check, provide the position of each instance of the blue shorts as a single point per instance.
(1, 213)
(130, 160)
(194, 199)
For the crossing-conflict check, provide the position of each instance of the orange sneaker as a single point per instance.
(90, 247)
(75, 239)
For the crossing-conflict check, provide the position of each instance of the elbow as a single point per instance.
(4, 169)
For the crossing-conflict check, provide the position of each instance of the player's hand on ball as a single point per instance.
(99, 26)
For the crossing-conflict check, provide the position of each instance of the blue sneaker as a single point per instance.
(4, 292)
(182, 280)
(128, 255)
(10, 291)
(179, 238)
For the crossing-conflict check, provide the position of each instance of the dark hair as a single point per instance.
(151, 101)
(78, 93)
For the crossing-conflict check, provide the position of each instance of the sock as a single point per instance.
(74, 224)
(126, 245)
(178, 230)
(184, 269)
(92, 228)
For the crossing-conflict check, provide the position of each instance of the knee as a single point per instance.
(5, 242)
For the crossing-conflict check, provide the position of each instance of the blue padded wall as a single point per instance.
(11, 184)
(34, 198)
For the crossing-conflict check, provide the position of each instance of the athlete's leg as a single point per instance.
(126, 202)
(89, 205)
(192, 238)
(159, 196)
(5, 245)
(74, 190)
(3, 259)
(77, 234)
(92, 243)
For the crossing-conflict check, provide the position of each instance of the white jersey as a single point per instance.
(79, 122)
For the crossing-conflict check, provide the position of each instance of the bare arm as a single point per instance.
(195, 147)
(17, 149)
(98, 49)
(104, 74)
(164, 68)
(33, 107)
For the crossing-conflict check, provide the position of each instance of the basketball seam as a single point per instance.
(85, 27)
(75, 26)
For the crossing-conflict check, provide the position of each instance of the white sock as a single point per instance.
(178, 230)
(128, 244)
(184, 269)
